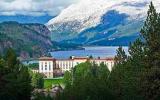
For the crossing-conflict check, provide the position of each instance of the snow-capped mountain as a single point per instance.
(100, 21)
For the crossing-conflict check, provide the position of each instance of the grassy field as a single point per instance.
(55, 81)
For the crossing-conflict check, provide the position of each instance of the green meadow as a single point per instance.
(55, 81)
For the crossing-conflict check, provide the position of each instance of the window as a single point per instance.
(45, 65)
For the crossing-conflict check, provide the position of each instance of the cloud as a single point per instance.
(33, 7)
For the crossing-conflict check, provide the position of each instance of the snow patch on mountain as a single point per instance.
(89, 13)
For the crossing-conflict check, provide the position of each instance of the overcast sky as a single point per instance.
(33, 7)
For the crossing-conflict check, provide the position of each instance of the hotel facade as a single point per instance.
(51, 67)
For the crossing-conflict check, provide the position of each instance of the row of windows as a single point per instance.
(65, 64)
(66, 67)
(45, 66)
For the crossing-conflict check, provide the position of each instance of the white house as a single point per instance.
(48, 66)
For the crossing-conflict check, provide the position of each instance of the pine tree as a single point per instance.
(121, 56)
(151, 35)
(11, 58)
(116, 78)
(124, 78)
(137, 53)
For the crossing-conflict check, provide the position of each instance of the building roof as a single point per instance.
(46, 58)
(75, 58)
(105, 59)
(80, 58)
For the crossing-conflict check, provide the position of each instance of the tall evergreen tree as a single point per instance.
(151, 35)
(124, 81)
(116, 79)
(11, 58)
(121, 56)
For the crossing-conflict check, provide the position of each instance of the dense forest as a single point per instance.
(16, 80)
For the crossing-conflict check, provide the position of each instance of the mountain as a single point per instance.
(28, 40)
(100, 22)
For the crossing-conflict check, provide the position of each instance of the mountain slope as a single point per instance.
(100, 22)
(29, 40)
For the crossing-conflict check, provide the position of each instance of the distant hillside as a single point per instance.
(29, 40)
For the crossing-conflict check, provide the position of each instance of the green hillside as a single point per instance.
(28, 40)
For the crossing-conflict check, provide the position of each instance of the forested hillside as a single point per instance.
(28, 40)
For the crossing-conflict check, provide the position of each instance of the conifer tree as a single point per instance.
(151, 35)
(121, 56)
(137, 53)
(11, 58)
(116, 78)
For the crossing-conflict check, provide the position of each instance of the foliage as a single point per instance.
(67, 78)
(15, 80)
(33, 66)
(151, 34)
(37, 80)
(123, 81)
(89, 83)
(49, 82)
(121, 56)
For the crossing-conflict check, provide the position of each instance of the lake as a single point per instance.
(103, 52)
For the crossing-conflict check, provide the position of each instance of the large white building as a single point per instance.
(51, 67)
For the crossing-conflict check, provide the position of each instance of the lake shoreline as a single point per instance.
(82, 48)
(95, 51)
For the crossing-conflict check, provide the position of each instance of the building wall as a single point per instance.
(65, 65)
(78, 61)
(47, 67)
